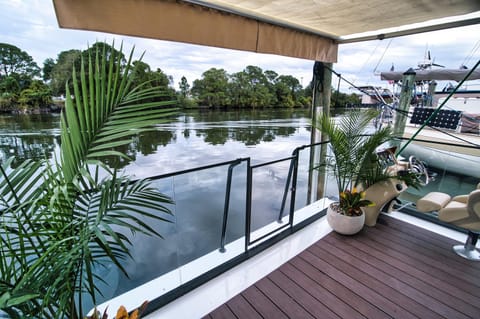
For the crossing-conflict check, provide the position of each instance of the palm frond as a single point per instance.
(104, 105)
(353, 147)
(60, 220)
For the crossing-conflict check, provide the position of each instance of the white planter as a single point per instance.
(346, 225)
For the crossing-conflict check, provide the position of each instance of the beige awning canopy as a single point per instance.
(309, 29)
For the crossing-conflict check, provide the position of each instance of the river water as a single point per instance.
(198, 138)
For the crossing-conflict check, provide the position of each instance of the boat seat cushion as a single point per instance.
(465, 215)
(433, 201)
(453, 211)
(461, 198)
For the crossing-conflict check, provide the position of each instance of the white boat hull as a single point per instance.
(444, 159)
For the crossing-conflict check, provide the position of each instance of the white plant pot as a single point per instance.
(346, 225)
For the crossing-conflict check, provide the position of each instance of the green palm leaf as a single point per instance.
(353, 147)
(61, 220)
(103, 105)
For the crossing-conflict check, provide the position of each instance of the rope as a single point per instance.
(383, 55)
(471, 54)
(347, 81)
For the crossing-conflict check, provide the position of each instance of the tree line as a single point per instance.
(25, 87)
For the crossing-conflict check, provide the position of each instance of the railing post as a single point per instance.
(248, 210)
(294, 186)
(227, 204)
(285, 192)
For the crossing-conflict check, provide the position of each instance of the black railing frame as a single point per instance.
(227, 203)
(275, 236)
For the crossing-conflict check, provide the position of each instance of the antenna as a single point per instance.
(428, 62)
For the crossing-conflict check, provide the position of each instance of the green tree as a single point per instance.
(38, 94)
(159, 78)
(240, 91)
(340, 99)
(62, 71)
(251, 88)
(9, 84)
(66, 61)
(258, 84)
(184, 87)
(107, 51)
(17, 71)
(48, 66)
(211, 89)
(148, 79)
(288, 90)
(62, 220)
(184, 97)
(15, 61)
(271, 76)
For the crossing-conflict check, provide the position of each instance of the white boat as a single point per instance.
(451, 138)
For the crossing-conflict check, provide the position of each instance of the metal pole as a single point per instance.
(294, 187)
(322, 90)
(227, 204)
(325, 99)
(248, 208)
(408, 84)
(285, 192)
(431, 92)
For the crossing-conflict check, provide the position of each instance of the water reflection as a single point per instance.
(147, 143)
(192, 133)
(29, 136)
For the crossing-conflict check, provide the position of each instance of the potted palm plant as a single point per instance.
(352, 153)
(63, 218)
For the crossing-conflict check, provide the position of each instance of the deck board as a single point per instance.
(441, 268)
(410, 276)
(393, 270)
(432, 255)
(304, 298)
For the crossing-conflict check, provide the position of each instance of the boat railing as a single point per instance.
(225, 213)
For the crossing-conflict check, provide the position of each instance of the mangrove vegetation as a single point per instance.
(26, 87)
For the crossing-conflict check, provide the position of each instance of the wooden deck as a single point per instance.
(393, 270)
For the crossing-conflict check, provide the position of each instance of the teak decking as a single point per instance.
(393, 270)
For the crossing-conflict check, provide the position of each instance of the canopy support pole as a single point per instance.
(322, 92)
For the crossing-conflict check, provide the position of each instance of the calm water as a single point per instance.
(195, 139)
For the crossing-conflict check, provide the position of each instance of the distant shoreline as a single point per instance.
(55, 107)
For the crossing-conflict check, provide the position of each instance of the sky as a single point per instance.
(31, 25)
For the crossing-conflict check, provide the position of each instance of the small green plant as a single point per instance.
(351, 202)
